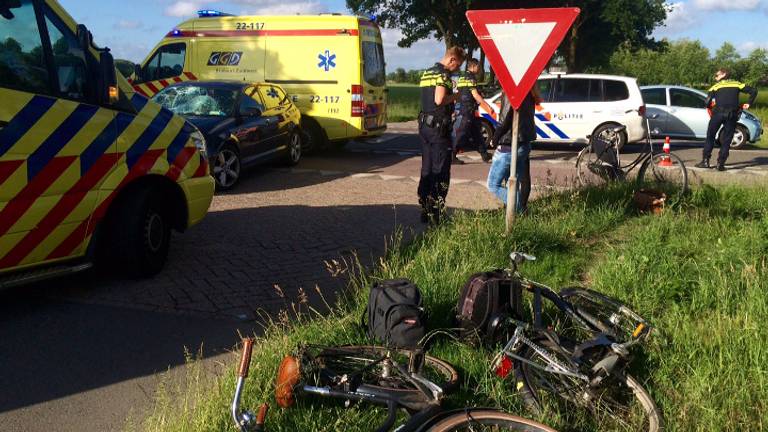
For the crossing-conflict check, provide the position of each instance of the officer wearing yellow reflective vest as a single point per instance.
(466, 126)
(435, 132)
(724, 95)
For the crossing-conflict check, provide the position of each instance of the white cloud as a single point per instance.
(749, 46)
(284, 7)
(420, 55)
(679, 19)
(184, 8)
(128, 25)
(727, 5)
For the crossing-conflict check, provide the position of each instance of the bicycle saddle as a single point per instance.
(619, 129)
(519, 257)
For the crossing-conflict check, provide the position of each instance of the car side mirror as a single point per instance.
(137, 73)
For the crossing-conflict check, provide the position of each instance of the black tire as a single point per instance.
(293, 153)
(670, 177)
(480, 420)
(606, 314)
(315, 135)
(141, 233)
(620, 402)
(604, 132)
(740, 137)
(353, 358)
(591, 170)
(226, 167)
(487, 130)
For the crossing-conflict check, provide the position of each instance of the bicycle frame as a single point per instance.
(647, 152)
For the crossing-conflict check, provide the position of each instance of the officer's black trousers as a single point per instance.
(467, 127)
(436, 154)
(726, 119)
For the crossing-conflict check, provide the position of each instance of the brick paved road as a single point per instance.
(91, 347)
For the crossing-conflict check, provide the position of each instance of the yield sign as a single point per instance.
(519, 43)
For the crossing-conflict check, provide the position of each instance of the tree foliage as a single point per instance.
(602, 27)
(688, 62)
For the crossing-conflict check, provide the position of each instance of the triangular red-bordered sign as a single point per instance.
(518, 43)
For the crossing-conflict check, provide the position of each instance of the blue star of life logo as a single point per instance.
(326, 60)
(272, 92)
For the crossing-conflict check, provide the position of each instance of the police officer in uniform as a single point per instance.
(435, 132)
(466, 126)
(724, 95)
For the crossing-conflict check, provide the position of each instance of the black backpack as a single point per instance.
(485, 297)
(395, 315)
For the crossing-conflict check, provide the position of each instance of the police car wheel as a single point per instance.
(226, 167)
(487, 131)
(293, 154)
(740, 137)
(143, 233)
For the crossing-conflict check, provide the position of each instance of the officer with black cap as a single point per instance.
(466, 125)
(724, 95)
(435, 131)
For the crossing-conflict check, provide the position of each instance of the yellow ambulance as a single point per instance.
(89, 169)
(331, 65)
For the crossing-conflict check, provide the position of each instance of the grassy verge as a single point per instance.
(403, 102)
(698, 272)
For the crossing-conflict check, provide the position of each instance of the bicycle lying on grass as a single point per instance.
(394, 378)
(600, 162)
(580, 356)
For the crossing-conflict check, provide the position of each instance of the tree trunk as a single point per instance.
(481, 75)
(570, 58)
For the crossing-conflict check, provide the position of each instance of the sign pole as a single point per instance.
(512, 181)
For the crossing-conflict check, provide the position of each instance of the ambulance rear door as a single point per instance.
(373, 77)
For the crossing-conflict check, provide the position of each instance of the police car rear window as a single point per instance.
(615, 90)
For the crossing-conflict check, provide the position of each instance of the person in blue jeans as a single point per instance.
(502, 158)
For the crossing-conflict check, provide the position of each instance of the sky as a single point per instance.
(132, 28)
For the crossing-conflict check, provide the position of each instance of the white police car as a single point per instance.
(576, 106)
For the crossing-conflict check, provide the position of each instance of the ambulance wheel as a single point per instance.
(604, 132)
(316, 138)
(142, 233)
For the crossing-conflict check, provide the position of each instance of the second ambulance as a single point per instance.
(331, 65)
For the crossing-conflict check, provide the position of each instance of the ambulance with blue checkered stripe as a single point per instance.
(331, 65)
(90, 171)
(574, 107)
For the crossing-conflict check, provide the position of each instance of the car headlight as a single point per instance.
(199, 140)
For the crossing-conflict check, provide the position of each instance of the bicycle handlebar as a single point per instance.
(245, 359)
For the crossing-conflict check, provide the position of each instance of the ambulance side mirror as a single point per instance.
(108, 92)
(137, 77)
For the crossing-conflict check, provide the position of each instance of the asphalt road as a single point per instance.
(87, 352)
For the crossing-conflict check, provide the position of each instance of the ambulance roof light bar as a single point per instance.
(209, 13)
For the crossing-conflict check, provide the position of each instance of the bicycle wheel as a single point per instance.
(606, 314)
(371, 366)
(668, 175)
(482, 420)
(619, 403)
(591, 170)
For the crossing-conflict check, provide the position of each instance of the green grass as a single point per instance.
(403, 102)
(698, 273)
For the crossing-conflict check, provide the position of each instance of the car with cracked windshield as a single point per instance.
(245, 124)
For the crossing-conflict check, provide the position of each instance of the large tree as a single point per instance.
(601, 28)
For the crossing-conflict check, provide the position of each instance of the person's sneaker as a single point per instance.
(457, 161)
(703, 164)
(721, 166)
(486, 157)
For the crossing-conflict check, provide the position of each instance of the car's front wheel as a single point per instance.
(487, 130)
(293, 155)
(226, 167)
(740, 137)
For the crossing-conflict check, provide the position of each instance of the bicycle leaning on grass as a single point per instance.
(600, 162)
(397, 379)
(580, 355)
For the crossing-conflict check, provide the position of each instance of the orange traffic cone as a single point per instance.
(666, 161)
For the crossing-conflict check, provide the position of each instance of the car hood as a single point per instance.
(215, 129)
